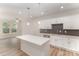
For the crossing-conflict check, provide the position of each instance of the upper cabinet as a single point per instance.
(45, 24)
(66, 23)
(75, 22)
(71, 22)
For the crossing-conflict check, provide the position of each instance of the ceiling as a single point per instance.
(36, 10)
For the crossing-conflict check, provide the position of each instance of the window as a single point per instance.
(14, 26)
(5, 26)
(9, 26)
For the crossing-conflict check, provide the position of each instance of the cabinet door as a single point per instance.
(63, 41)
(67, 23)
(46, 24)
(74, 44)
(60, 41)
(75, 22)
(52, 40)
(71, 22)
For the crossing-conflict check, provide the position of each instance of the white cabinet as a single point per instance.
(54, 40)
(59, 20)
(59, 40)
(64, 42)
(35, 50)
(67, 23)
(71, 22)
(75, 22)
(68, 42)
(34, 45)
(74, 43)
(46, 24)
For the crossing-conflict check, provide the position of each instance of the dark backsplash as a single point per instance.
(58, 29)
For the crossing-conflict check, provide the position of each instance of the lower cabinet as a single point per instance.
(59, 41)
(74, 44)
(68, 42)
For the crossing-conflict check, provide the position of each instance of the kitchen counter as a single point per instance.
(34, 39)
(34, 45)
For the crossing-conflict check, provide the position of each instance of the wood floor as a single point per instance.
(11, 52)
(54, 51)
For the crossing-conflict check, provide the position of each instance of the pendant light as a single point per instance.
(61, 6)
(28, 23)
(40, 9)
(29, 14)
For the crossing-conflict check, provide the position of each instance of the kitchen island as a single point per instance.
(34, 45)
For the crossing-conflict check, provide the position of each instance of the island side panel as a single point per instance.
(35, 50)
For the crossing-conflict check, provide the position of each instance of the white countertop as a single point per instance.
(34, 39)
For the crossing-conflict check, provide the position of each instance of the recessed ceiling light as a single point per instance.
(42, 13)
(38, 22)
(28, 23)
(62, 7)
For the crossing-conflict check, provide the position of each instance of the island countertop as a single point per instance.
(33, 39)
